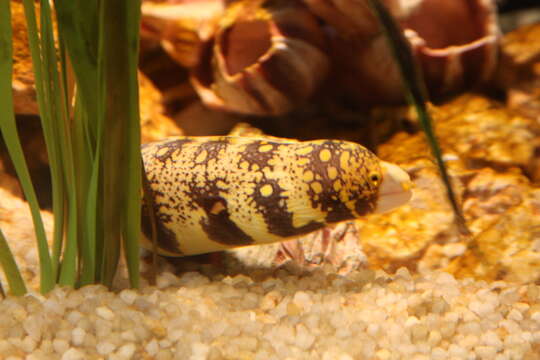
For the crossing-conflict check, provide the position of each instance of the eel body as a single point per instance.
(214, 193)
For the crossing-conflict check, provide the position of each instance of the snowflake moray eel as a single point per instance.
(214, 193)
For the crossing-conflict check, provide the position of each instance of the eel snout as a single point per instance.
(395, 188)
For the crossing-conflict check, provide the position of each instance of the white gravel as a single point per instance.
(366, 315)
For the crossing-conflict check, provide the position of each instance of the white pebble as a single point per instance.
(105, 347)
(404, 273)
(128, 296)
(303, 300)
(105, 313)
(527, 336)
(457, 351)
(438, 354)
(196, 317)
(481, 308)
(521, 307)
(152, 347)
(73, 354)
(469, 341)
(126, 351)
(490, 338)
(60, 345)
(514, 315)
(536, 317)
(28, 344)
(411, 320)
(74, 317)
(54, 306)
(383, 354)
(304, 339)
(485, 352)
(199, 351)
(510, 326)
(373, 330)
(434, 337)
(77, 336)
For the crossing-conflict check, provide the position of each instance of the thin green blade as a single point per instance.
(415, 90)
(13, 275)
(11, 270)
(77, 23)
(11, 137)
(119, 27)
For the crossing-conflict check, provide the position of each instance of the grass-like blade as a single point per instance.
(416, 95)
(13, 276)
(131, 230)
(77, 23)
(7, 261)
(59, 146)
(119, 26)
(44, 64)
(11, 137)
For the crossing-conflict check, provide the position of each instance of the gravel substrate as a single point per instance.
(366, 315)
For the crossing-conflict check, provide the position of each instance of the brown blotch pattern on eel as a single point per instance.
(214, 193)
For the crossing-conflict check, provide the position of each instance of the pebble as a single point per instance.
(486, 352)
(60, 345)
(73, 354)
(316, 316)
(105, 348)
(77, 336)
(105, 313)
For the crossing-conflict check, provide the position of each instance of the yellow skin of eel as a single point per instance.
(215, 193)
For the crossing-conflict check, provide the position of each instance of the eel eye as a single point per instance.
(375, 178)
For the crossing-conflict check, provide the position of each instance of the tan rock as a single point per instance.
(480, 131)
(508, 249)
(519, 70)
(155, 125)
(402, 237)
(24, 93)
(488, 150)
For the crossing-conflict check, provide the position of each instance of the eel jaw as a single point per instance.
(395, 188)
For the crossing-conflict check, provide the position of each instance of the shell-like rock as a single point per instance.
(264, 58)
(518, 73)
(354, 17)
(455, 42)
(180, 27)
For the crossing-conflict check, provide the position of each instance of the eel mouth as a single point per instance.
(395, 189)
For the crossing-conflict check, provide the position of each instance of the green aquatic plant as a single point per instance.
(416, 94)
(85, 67)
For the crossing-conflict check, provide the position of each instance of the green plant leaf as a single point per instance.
(77, 25)
(413, 83)
(121, 141)
(11, 137)
(11, 270)
(13, 275)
